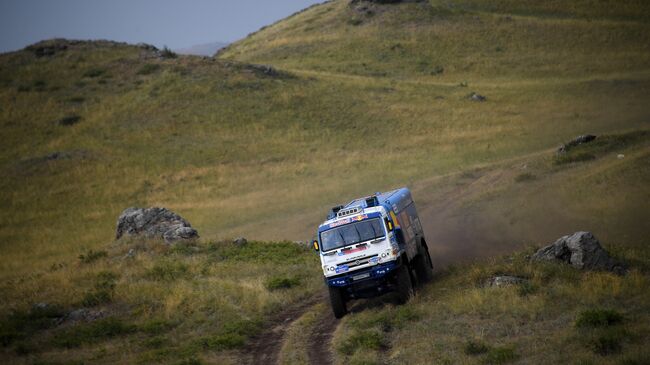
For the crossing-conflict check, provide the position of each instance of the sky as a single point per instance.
(176, 24)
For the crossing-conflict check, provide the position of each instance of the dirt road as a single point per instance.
(264, 349)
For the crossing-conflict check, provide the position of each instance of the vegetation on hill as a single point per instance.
(359, 98)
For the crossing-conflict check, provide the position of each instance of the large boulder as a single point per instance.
(583, 251)
(154, 223)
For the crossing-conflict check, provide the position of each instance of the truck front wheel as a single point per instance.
(404, 284)
(338, 302)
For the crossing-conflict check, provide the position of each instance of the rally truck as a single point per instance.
(371, 246)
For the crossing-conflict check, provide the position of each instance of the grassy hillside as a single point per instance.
(360, 98)
(559, 316)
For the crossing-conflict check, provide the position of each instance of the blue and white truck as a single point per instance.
(371, 246)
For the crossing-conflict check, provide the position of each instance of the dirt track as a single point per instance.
(264, 349)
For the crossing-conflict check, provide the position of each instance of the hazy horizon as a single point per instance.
(161, 23)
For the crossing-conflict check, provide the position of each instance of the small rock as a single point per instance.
(240, 241)
(130, 254)
(41, 306)
(505, 280)
(620, 156)
(581, 250)
(476, 97)
(85, 315)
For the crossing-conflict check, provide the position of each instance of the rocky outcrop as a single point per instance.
(154, 223)
(581, 250)
(585, 138)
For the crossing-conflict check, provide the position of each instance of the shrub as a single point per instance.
(225, 341)
(475, 348)
(437, 70)
(526, 288)
(97, 297)
(148, 69)
(167, 53)
(526, 176)
(156, 326)
(355, 21)
(167, 271)
(277, 282)
(607, 343)
(500, 355)
(76, 99)
(103, 290)
(92, 256)
(598, 318)
(22, 324)
(69, 120)
(93, 332)
(94, 72)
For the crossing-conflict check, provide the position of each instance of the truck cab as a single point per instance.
(371, 246)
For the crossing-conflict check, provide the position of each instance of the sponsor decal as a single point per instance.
(357, 218)
(360, 217)
(347, 252)
(343, 268)
(340, 223)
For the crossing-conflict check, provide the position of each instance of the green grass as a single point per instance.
(598, 318)
(461, 321)
(355, 104)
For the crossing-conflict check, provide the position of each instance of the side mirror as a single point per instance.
(389, 225)
(315, 245)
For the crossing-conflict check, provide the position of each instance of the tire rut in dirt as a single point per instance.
(264, 349)
(321, 339)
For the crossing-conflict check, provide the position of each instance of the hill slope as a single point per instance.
(360, 98)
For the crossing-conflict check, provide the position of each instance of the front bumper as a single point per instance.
(369, 275)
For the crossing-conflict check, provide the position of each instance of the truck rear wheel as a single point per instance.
(404, 284)
(423, 266)
(338, 302)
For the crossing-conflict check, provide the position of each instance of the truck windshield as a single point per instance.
(352, 233)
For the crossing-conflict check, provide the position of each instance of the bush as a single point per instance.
(607, 343)
(103, 290)
(23, 324)
(526, 288)
(94, 72)
(167, 53)
(76, 99)
(148, 69)
(275, 283)
(167, 271)
(500, 355)
(93, 332)
(526, 176)
(69, 120)
(475, 348)
(92, 256)
(598, 318)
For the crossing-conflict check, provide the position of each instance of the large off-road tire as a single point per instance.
(423, 267)
(337, 299)
(404, 284)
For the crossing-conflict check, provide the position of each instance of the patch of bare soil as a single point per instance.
(264, 349)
